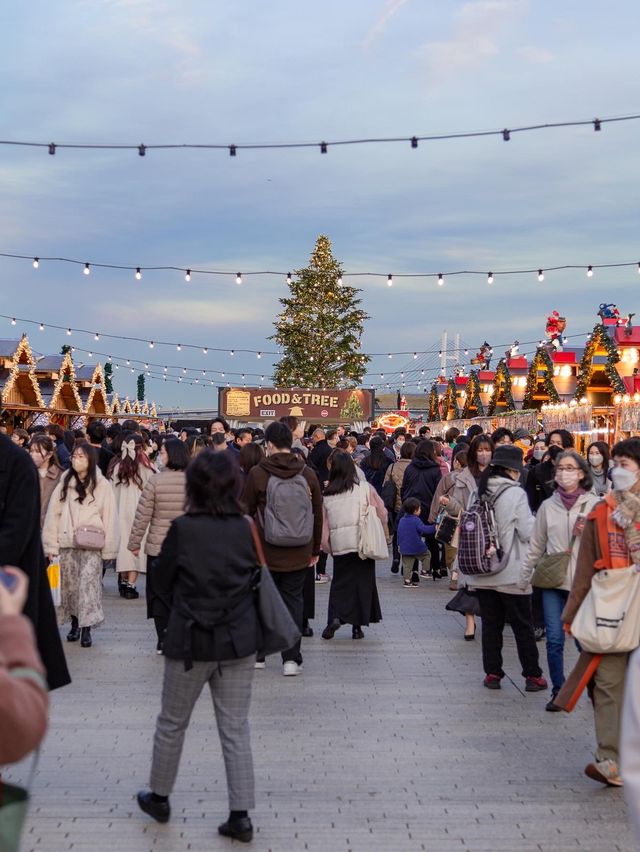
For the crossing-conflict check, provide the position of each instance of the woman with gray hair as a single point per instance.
(557, 530)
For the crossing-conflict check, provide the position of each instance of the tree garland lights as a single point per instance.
(450, 402)
(541, 361)
(501, 387)
(473, 406)
(599, 340)
(434, 405)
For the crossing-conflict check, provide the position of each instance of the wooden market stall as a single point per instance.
(91, 386)
(58, 386)
(19, 389)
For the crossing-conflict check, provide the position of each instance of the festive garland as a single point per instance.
(501, 382)
(541, 361)
(23, 351)
(450, 402)
(98, 386)
(434, 406)
(67, 376)
(473, 406)
(599, 339)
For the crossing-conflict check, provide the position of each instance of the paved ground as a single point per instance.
(390, 743)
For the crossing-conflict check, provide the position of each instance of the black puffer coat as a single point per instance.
(421, 479)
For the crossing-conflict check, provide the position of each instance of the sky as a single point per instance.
(150, 71)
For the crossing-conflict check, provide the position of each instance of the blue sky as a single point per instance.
(151, 71)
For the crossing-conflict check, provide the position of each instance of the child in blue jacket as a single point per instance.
(411, 544)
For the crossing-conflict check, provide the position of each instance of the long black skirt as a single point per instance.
(353, 597)
(464, 602)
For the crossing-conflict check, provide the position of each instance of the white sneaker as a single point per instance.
(291, 668)
(604, 771)
(260, 664)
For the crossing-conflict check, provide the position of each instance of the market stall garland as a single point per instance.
(23, 356)
(599, 339)
(450, 402)
(541, 362)
(501, 391)
(473, 406)
(434, 405)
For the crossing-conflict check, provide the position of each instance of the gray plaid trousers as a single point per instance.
(230, 684)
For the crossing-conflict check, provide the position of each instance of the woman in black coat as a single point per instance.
(421, 479)
(205, 575)
(21, 545)
(374, 466)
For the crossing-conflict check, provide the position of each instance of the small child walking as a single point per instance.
(411, 544)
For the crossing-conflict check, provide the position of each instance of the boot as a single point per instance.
(130, 592)
(122, 585)
(85, 637)
(74, 634)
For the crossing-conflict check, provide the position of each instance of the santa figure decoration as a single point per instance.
(483, 357)
(553, 331)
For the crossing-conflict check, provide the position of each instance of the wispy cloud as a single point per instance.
(391, 7)
(477, 33)
(535, 55)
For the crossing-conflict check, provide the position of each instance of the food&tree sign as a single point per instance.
(309, 404)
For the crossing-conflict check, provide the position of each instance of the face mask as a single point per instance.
(595, 459)
(399, 443)
(568, 479)
(623, 479)
(539, 454)
(484, 458)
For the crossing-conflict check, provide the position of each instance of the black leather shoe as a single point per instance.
(395, 567)
(238, 829)
(74, 634)
(330, 629)
(130, 592)
(307, 631)
(85, 637)
(356, 632)
(160, 811)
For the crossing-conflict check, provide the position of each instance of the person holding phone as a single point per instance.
(24, 700)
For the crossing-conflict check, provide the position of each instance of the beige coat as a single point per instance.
(127, 498)
(48, 484)
(161, 501)
(63, 517)
(395, 473)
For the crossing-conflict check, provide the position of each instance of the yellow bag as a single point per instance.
(53, 573)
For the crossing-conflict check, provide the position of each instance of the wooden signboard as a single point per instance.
(312, 405)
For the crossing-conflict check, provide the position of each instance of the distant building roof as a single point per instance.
(8, 348)
(50, 362)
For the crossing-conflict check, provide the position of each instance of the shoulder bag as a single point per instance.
(279, 630)
(389, 492)
(551, 569)
(608, 620)
(372, 540)
(88, 537)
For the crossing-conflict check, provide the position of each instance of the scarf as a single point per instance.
(569, 500)
(626, 516)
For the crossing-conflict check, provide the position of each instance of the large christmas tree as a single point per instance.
(320, 328)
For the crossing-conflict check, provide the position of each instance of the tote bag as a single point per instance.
(53, 574)
(373, 542)
(279, 630)
(608, 620)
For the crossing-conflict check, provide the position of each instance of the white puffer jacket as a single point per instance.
(341, 528)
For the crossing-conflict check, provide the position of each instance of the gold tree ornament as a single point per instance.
(320, 327)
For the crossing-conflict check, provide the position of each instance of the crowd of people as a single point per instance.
(183, 509)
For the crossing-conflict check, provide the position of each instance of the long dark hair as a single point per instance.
(177, 454)
(45, 445)
(376, 458)
(85, 487)
(212, 485)
(129, 468)
(472, 455)
(426, 451)
(342, 473)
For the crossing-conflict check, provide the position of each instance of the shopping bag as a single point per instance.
(53, 573)
(373, 542)
(608, 620)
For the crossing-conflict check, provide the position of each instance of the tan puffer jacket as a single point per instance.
(396, 472)
(161, 501)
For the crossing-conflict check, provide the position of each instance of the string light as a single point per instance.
(238, 278)
(151, 344)
(13, 321)
(540, 275)
(138, 273)
(179, 347)
(259, 355)
(205, 351)
(69, 332)
(87, 269)
(415, 355)
(36, 262)
(440, 279)
(390, 280)
(590, 272)
(289, 278)
(187, 275)
(490, 278)
(96, 336)
(41, 326)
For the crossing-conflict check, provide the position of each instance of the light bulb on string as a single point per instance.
(232, 352)
(179, 347)
(440, 279)
(205, 351)
(389, 280)
(540, 275)
(87, 269)
(68, 332)
(13, 321)
(259, 355)
(128, 363)
(36, 262)
(288, 278)
(96, 336)
(238, 278)
(590, 272)
(151, 344)
(90, 354)
(415, 355)
(390, 355)
(41, 326)
(138, 273)
(146, 366)
(639, 268)
(490, 278)
(184, 370)
(187, 275)
(165, 369)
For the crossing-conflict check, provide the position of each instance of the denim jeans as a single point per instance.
(553, 601)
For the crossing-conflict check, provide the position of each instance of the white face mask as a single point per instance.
(623, 479)
(595, 459)
(484, 457)
(539, 454)
(568, 479)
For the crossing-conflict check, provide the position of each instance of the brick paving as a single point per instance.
(390, 743)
